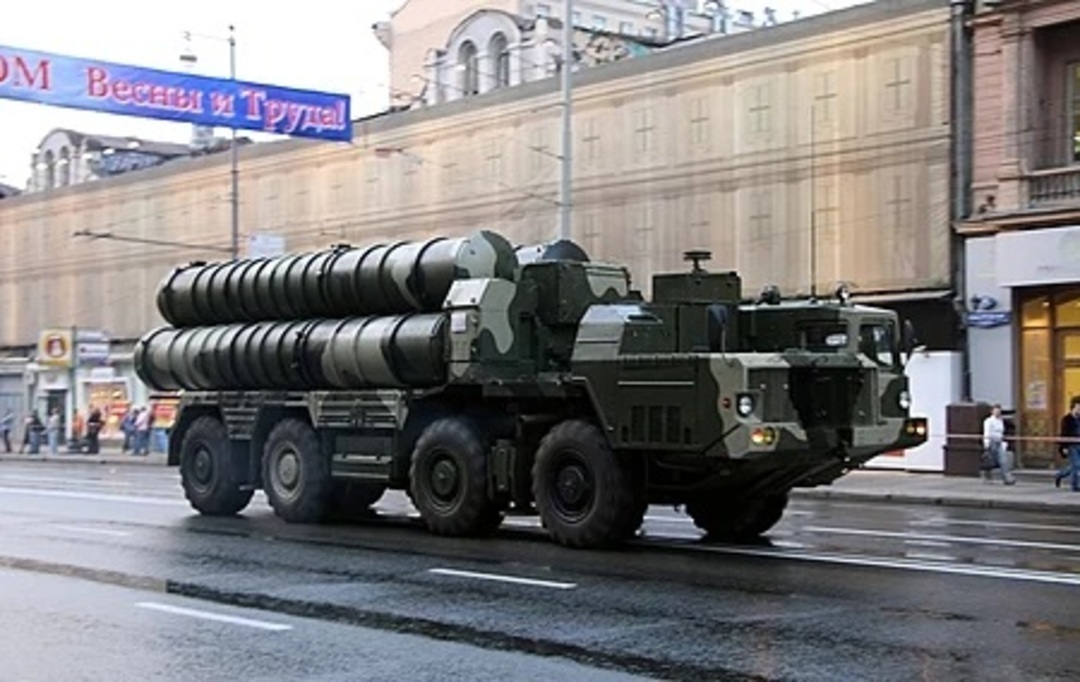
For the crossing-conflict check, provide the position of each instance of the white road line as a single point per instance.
(96, 497)
(503, 578)
(952, 539)
(62, 481)
(904, 564)
(94, 531)
(939, 522)
(219, 617)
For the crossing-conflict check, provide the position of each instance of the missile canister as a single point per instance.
(381, 279)
(396, 351)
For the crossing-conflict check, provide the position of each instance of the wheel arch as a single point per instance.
(187, 417)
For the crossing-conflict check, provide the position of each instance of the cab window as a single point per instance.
(878, 342)
(823, 338)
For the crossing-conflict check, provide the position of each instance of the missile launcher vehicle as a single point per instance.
(480, 378)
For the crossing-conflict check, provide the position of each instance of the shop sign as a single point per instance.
(988, 319)
(54, 348)
(91, 348)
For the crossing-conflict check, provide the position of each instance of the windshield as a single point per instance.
(823, 337)
(878, 342)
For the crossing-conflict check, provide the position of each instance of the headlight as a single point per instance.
(745, 405)
(904, 400)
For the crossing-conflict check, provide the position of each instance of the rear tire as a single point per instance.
(741, 522)
(296, 474)
(208, 474)
(448, 480)
(585, 496)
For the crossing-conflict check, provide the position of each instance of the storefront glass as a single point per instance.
(1049, 368)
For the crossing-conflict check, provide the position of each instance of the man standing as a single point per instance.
(7, 423)
(1070, 446)
(994, 443)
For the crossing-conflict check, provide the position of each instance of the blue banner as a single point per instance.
(60, 81)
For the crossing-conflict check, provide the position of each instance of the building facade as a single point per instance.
(1022, 240)
(67, 157)
(804, 155)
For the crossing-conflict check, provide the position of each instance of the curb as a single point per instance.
(942, 500)
(155, 459)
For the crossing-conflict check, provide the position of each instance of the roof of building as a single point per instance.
(94, 142)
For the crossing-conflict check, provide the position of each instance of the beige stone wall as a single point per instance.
(708, 148)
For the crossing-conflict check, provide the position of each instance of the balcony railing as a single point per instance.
(1054, 187)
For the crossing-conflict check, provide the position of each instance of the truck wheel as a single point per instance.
(207, 474)
(354, 498)
(584, 495)
(296, 474)
(737, 522)
(448, 480)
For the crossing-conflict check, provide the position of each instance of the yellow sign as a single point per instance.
(55, 348)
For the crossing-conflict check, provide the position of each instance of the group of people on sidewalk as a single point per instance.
(996, 453)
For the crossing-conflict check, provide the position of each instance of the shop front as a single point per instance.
(1024, 330)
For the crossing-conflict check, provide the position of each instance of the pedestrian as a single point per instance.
(995, 451)
(52, 431)
(93, 429)
(7, 423)
(1069, 446)
(142, 432)
(127, 427)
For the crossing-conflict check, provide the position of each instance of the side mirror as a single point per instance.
(909, 342)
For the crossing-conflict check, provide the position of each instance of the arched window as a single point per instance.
(499, 49)
(470, 77)
(65, 167)
(50, 170)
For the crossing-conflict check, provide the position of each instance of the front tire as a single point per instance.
(741, 522)
(296, 474)
(448, 480)
(585, 496)
(208, 474)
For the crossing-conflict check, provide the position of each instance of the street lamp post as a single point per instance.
(567, 133)
(234, 171)
(189, 58)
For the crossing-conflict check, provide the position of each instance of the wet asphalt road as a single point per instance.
(840, 590)
(59, 628)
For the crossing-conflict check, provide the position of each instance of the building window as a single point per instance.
(543, 9)
(1074, 112)
(50, 170)
(824, 98)
(758, 111)
(761, 216)
(626, 28)
(65, 167)
(898, 85)
(591, 142)
(643, 130)
(699, 122)
(467, 62)
(500, 60)
(599, 23)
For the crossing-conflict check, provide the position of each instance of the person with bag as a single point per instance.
(995, 454)
(1069, 446)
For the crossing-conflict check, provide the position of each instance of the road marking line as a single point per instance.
(904, 564)
(219, 617)
(64, 481)
(954, 539)
(503, 578)
(995, 524)
(98, 531)
(96, 497)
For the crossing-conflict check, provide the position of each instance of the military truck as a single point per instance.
(478, 378)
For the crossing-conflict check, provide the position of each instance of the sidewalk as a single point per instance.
(1034, 489)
